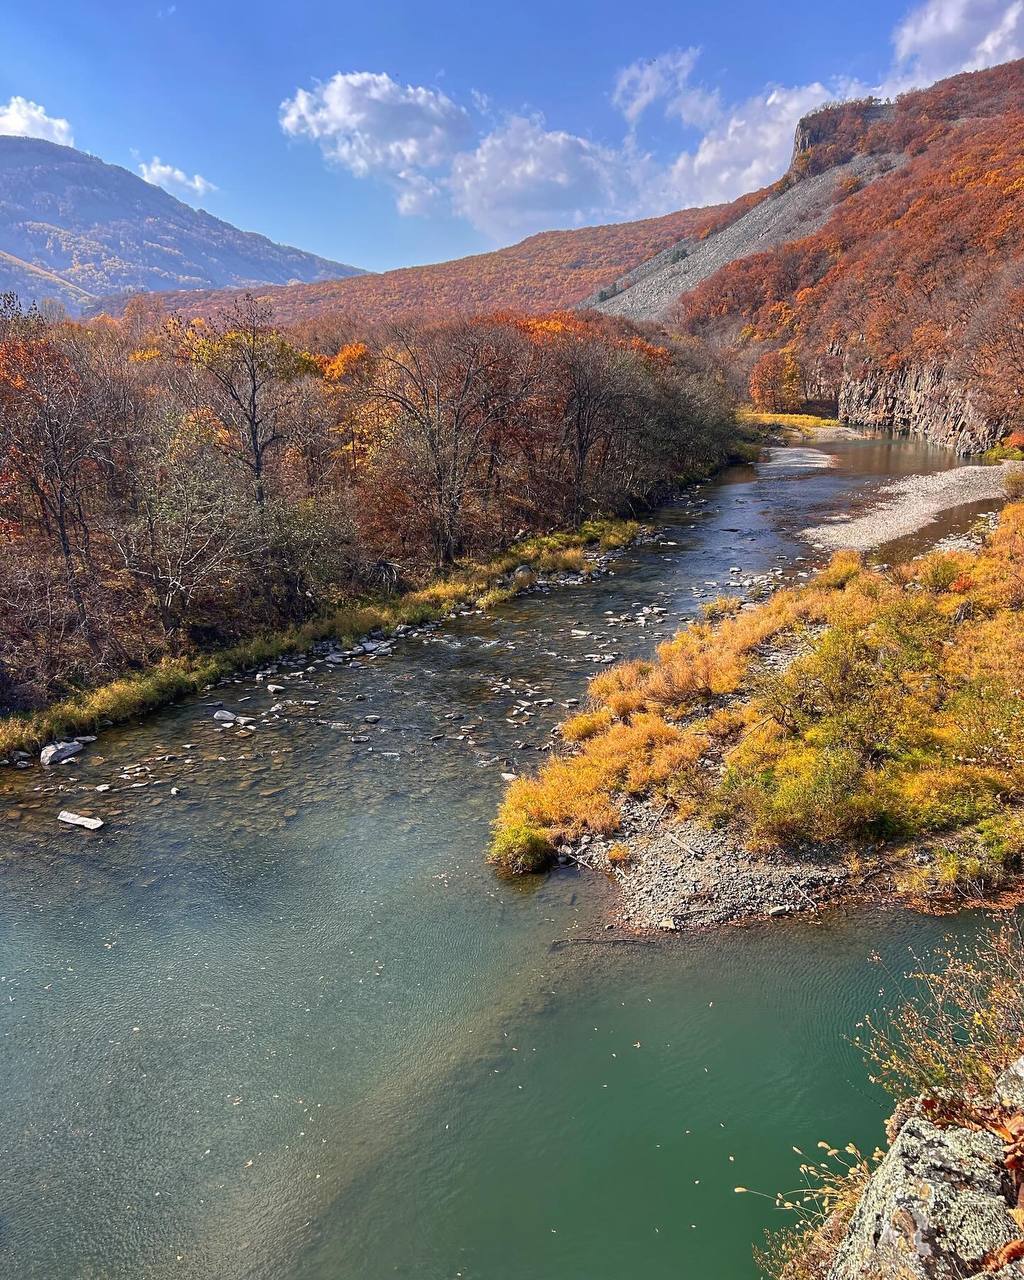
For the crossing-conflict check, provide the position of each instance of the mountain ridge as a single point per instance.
(75, 228)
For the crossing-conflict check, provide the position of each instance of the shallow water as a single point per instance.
(286, 1024)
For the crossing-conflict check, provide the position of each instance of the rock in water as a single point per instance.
(935, 1208)
(79, 820)
(58, 752)
(225, 717)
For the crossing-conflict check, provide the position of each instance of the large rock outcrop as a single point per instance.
(924, 400)
(939, 1206)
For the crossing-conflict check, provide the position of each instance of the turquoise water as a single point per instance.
(285, 1024)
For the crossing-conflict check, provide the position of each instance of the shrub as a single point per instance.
(580, 727)
(520, 849)
(1014, 484)
(720, 607)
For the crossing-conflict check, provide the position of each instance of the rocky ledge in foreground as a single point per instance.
(943, 1203)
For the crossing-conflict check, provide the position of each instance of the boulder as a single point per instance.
(225, 717)
(58, 752)
(1010, 1087)
(936, 1208)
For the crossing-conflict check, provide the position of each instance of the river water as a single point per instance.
(286, 1025)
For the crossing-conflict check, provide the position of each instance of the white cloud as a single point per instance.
(523, 176)
(371, 124)
(941, 37)
(175, 180)
(29, 120)
(514, 175)
(666, 78)
(747, 149)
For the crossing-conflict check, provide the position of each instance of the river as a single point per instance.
(286, 1025)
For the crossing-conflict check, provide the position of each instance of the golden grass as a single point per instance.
(901, 715)
(481, 585)
(805, 423)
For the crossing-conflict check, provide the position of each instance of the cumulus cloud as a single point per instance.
(523, 176)
(747, 149)
(175, 180)
(371, 124)
(942, 37)
(29, 120)
(514, 175)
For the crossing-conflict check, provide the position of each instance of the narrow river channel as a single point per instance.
(285, 1024)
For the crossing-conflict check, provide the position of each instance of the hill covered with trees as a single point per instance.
(907, 305)
(547, 271)
(170, 488)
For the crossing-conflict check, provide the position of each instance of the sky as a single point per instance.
(398, 132)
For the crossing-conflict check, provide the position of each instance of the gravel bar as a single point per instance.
(909, 505)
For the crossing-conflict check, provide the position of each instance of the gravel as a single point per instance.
(682, 876)
(909, 505)
(650, 289)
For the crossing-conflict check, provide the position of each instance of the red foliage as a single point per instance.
(899, 265)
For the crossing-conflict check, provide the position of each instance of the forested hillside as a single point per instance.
(907, 305)
(548, 271)
(168, 488)
(73, 228)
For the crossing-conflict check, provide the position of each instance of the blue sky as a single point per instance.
(388, 133)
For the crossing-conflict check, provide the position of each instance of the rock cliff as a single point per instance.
(926, 401)
(942, 1205)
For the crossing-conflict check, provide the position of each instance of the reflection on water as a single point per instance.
(284, 1023)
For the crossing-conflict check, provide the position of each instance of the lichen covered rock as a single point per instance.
(937, 1208)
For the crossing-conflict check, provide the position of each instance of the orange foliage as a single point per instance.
(899, 264)
(548, 271)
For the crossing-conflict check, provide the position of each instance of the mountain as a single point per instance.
(887, 263)
(547, 271)
(886, 266)
(74, 228)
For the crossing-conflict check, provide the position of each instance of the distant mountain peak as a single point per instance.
(74, 228)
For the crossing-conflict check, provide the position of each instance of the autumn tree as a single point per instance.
(246, 374)
(444, 389)
(49, 444)
(775, 382)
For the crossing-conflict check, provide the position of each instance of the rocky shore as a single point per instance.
(907, 506)
(682, 875)
(944, 1202)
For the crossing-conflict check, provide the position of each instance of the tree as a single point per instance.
(776, 385)
(444, 390)
(246, 376)
(48, 443)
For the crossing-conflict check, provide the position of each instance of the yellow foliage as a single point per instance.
(901, 715)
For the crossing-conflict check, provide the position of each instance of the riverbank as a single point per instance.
(476, 585)
(907, 506)
(859, 734)
(944, 1199)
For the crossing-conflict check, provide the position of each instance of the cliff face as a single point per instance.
(942, 1203)
(924, 400)
(831, 135)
